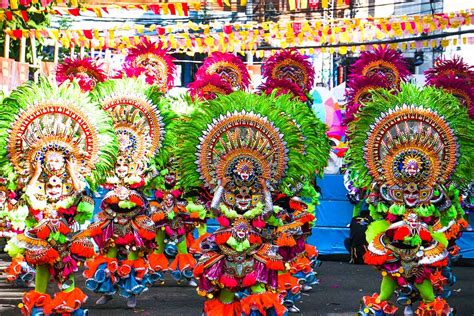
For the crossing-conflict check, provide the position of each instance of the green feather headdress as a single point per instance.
(35, 115)
(145, 107)
(437, 101)
(266, 110)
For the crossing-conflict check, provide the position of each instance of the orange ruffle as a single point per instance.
(157, 217)
(34, 299)
(374, 259)
(189, 238)
(311, 251)
(438, 307)
(158, 262)
(41, 256)
(195, 247)
(215, 307)
(183, 261)
(198, 270)
(82, 249)
(139, 265)
(263, 302)
(63, 228)
(93, 264)
(285, 240)
(438, 280)
(378, 305)
(14, 270)
(42, 231)
(301, 263)
(66, 302)
(287, 282)
(275, 265)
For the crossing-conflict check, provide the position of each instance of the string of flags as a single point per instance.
(191, 38)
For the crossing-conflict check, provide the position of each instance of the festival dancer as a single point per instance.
(243, 148)
(87, 72)
(53, 139)
(290, 73)
(123, 229)
(412, 150)
(220, 74)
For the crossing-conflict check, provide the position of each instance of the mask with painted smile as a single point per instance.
(122, 167)
(53, 189)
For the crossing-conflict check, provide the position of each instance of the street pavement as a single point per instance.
(340, 289)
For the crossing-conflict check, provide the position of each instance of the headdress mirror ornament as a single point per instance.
(87, 72)
(229, 67)
(292, 66)
(383, 61)
(152, 60)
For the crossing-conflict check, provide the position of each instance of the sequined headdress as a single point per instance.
(229, 67)
(292, 66)
(141, 123)
(383, 61)
(87, 72)
(418, 136)
(38, 119)
(247, 134)
(152, 60)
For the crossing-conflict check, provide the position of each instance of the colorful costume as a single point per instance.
(220, 74)
(412, 150)
(245, 149)
(87, 72)
(123, 229)
(290, 73)
(53, 139)
(152, 61)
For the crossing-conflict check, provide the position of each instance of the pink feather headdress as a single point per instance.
(283, 86)
(152, 60)
(358, 92)
(87, 72)
(208, 87)
(456, 68)
(385, 61)
(229, 67)
(290, 65)
(457, 86)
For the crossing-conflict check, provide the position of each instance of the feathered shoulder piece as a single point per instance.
(208, 87)
(38, 119)
(417, 136)
(229, 67)
(153, 61)
(141, 122)
(384, 61)
(245, 134)
(87, 72)
(292, 66)
(455, 67)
